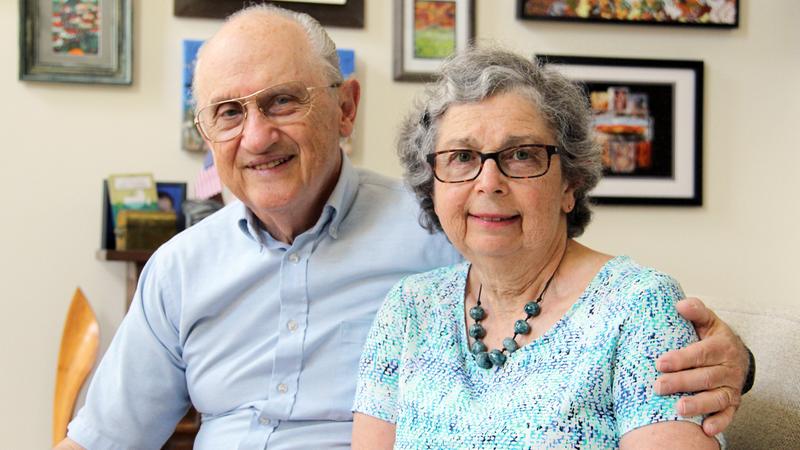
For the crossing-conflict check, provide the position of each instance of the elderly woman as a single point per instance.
(536, 341)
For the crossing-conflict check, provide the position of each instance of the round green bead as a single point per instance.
(532, 309)
(477, 331)
(478, 347)
(477, 312)
(522, 327)
(497, 357)
(510, 345)
(483, 361)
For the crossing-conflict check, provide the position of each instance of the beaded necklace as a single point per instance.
(486, 358)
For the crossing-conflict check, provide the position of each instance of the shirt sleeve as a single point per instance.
(378, 374)
(652, 328)
(138, 393)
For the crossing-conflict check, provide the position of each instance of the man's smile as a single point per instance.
(266, 165)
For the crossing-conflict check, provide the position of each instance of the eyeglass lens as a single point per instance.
(520, 162)
(282, 104)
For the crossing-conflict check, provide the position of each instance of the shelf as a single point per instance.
(139, 256)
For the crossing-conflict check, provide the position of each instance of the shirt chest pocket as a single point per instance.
(354, 333)
(352, 336)
(341, 385)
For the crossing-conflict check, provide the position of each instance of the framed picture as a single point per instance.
(75, 41)
(191, 140)
(648, 119)
(428, 31)
(698, 13)
(171, 197)
(335, 13)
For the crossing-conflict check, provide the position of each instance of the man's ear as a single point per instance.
(349, 95)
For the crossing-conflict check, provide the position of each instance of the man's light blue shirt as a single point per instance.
(262, 337)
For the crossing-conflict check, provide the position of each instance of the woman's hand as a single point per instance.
(715, 368)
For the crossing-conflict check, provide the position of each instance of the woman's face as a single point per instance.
(494, 215)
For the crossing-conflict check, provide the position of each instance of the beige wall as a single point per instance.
(62, 140)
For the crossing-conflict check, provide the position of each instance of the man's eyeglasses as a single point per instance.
(282, 104)
(522, 161)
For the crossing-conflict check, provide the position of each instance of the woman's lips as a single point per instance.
(494, 219)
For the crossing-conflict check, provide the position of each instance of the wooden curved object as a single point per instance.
(79, 343)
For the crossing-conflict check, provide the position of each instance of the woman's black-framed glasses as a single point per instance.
(520, 161)
(282, 104)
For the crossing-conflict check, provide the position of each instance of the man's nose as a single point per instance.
(259, 132)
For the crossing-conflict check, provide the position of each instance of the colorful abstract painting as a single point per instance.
(722, 13)
(648, 123)
(633, 125)
(75, 27)
(434, 28)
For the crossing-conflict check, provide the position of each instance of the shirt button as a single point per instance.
(293, 258)
(263, 421)
(282, 388)
(291, 325)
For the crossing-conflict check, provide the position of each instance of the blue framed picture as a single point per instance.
(171, 196)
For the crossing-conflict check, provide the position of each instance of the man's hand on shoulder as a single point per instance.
(714, 368)
(68, 444)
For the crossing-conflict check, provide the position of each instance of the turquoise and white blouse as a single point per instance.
(583, 384)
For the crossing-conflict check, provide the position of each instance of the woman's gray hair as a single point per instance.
(321, 44)
(480, 73)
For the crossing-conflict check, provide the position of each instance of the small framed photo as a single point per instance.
(171, 196)
(696, 13)
(335, 13)
(75, 41)
(648, 119)
(426, 32)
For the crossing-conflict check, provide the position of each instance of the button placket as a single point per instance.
(293, 315)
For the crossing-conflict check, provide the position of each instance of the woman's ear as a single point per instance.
(568, 198)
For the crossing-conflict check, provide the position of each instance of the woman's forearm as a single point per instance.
(370, 433)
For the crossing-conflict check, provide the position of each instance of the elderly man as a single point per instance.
(257, 315)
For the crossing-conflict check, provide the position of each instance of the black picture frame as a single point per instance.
(51, 51)
(543, 10)
(176, 191)
(648, 117)
(407, 66)
(348, 15)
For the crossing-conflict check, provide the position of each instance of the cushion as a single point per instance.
(769, 417)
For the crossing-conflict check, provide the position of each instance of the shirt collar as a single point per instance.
(335, 210)
(343, 196)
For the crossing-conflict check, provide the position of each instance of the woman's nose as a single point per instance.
(491, 179)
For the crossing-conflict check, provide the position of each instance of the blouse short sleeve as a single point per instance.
(378, 374)
(653, 327)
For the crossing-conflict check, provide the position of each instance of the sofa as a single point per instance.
(769, 416)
